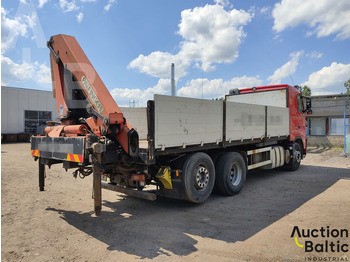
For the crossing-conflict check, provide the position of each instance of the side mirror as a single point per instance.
(308, 105)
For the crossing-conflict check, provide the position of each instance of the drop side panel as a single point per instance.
(244, 121)
(183, 121)
(137, 117)
(277, 121)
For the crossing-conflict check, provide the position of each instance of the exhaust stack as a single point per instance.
(172, 79)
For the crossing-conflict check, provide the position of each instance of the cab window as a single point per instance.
(300, 104)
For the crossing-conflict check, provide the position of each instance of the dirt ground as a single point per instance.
(255, 225)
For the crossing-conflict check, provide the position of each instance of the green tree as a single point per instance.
(347, 86)
(305, 90)
(220, 99)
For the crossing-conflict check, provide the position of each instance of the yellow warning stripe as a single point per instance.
(36, 153)
(75, 158)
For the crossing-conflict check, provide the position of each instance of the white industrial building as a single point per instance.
(25, 111)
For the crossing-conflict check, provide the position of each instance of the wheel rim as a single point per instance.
(202, 177)
(297, 156)
(235, 174)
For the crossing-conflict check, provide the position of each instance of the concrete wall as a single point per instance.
(14, 101)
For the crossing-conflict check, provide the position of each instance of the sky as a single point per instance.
(215, 45)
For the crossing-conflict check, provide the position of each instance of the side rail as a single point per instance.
(180, 124)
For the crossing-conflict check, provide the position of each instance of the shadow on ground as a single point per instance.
(318, 149)
(148, 229)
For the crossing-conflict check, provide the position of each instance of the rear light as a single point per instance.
(137, 177)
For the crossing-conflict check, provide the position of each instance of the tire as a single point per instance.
(230, 173)
(296, 156)
(198, 177)
(215, 158)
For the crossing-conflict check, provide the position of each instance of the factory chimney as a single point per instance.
(172, 79)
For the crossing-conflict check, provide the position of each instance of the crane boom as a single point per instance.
(81, 96)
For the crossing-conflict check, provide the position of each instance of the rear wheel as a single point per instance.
(230, 173)
(198, 177)
(296, 157)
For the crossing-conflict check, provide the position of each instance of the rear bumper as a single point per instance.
(59, 148)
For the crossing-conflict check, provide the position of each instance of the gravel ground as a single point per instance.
(255, 225)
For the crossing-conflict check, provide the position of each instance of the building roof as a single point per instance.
(331, 96)
(25, 89)
(330, 105)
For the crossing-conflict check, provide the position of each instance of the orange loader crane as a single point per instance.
(75, 80)
(87, 112)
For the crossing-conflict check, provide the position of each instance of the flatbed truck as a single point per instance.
(191, 146)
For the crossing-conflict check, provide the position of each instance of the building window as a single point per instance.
(336, 126)
(317, 126)
(35, 121)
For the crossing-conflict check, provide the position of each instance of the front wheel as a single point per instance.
(198, 177)
(295, 159)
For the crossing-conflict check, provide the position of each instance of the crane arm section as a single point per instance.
(82, 96)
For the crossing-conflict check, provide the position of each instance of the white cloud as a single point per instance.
(266, 10)
(194, 88)
(109, 5)
(224, 3)
(12, 72)
(211, 35)
(42, 3)
(68, 6)
(10, 30)
(124, 95)
(287, 69)
(43, 73)
(329, 79)
(314, 55)
(157, 64)
(80, 17)
(30, 20)
(323, 17)
(217, 87)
